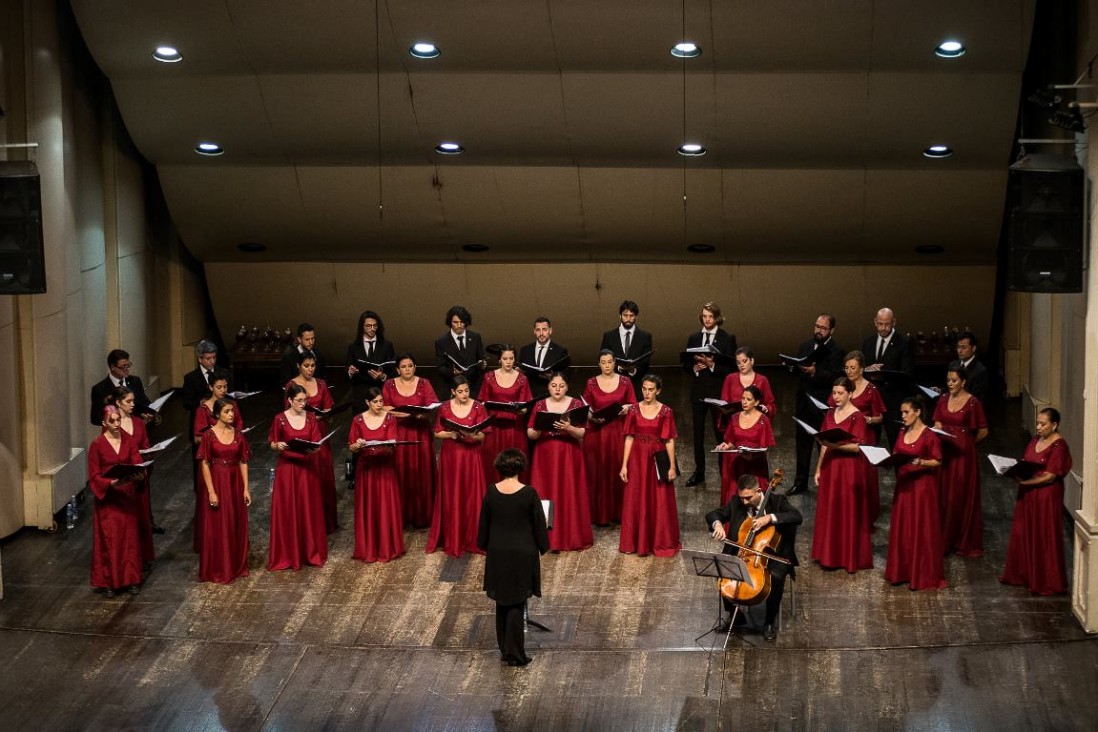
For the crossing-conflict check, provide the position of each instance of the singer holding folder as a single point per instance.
(371, 358)
(298, 535)
(379, 521)
(750, 428)
(631, 345)
(116, 540)
(610, 397)
(224, 454)
(319, 401)
(460, 352)
(559, 471)
(866, 399)
(201, 422)
(505, 384)
(415, 464)
(123, 398)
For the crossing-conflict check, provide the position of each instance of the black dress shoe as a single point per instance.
(157, 528)
(797, 488)
(108, 592)
(695, 479)
(769, 634)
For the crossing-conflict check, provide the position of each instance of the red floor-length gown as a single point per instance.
(649, 514)
(116, 533)
(841, 537)
(323, 457)
(415, 464)
(732, 392)
(298, 534)
(140, 436)
(508, 428)
(915, 530)
(602, 450)
(379, 522)
(870, 404)
(560, 476)
(461, 487)
(1035, 554)
(224, 555)
(736, 464)
(959, 482)
(204, 419)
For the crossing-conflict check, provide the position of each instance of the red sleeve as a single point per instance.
(390, 426)
(668, 430)
(1059, 459)
(238, 416)
(726, 386)
(140, 434)
(939, 410)
(245, 449)
(877, 405)
(588, 391)
(539, 406)
(767, 433)
(387, 392)
(768, 395)
(98, 484)
(201, 421)
(480, 414)
(275, 433)
(356, 428)
(630, 427)
(979, 419)
(205, 449)
(933, 448)
(444, 412)
(858, 428)
(326, 401)
(488, 388)
(524, 393)
(627, 393)
(313, 426)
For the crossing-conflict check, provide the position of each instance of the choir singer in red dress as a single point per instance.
(320, 401)
(116, 540)
(603, 441)
(378, 518)
(223, 454)
(415, 464)
(962, 416)
(749, 428)
(505, 384)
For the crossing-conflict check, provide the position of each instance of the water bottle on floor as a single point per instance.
(70, 514)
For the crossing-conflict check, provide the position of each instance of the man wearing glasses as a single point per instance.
(118, 374)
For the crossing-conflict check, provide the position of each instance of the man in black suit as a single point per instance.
(887, 350)
(370, 347)
(118, 374)
(545, 355)
(814, 380)
(460, 352)
(976, 373)
(706, 378)
(196, 384)
(776, 511)
(306, 341)
(627, 341)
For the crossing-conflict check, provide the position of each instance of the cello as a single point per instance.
(751, 545)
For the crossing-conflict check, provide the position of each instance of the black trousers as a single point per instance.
(511, 631)
(701, 411)
(773, 600)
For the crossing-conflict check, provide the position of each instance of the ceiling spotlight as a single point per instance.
(950, 49)
(475, 248)
(686, 49)
(938, 151)
(701, 249)
(167, 54)
(692, 150)
(423, 49)
(1044, 98)
(1068, 119)
(449, 148)
(211, 149)
(930, 249)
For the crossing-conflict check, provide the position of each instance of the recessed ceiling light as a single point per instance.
(423, 49)
(251, 247)
(950, 49)
(701, 248)
(476, 248)
(930, 249)
(692, 150)
(938, 151)
(209, 148)
(167, 54)
(449, 148)
(686, 49)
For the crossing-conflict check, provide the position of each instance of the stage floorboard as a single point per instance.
(410, 644)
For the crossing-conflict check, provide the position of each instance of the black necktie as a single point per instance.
(369, 349)
(209, 375)
(628, 341)
(541, 356)
(880, 348)
(461, 343)
(707, 337)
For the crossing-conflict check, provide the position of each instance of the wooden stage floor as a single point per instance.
(410, 644)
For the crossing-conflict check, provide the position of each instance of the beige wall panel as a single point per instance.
(130, 198)
(768, 307)
(92, 340)
(52, 391)
(134, 323)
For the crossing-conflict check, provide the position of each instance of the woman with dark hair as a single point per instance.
(370, 358)
(298, 533)
(867, 399)
(649, 514)
(603, 442)
(124, 399)
(962, 416)
(842, 534)
(559, 470)
(1035, 554)
(915, 531)
(415, 464)
(116, 540)
(224, 454)
(745, 376)
(751, 429)
(319, 401)
(204, 419)
(378, 519)
(513, 536)
(460, 473)
(505, 384)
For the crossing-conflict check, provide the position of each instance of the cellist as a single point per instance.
(777, 512)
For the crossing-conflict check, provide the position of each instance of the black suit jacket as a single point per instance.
(288, 368)
(360, 382)
(828, 368)
(788, 517)
(977, 382)
(474, 353)
(898, 356)
(557, 354)
(104, 388)
(641, 343)
(707, 384)
(195, 390)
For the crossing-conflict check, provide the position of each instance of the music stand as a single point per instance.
(719, 566)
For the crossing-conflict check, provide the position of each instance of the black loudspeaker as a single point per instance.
(1046, 197)
(22, 263)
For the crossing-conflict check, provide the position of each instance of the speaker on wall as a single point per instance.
(22, 262)
(1046, 196)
